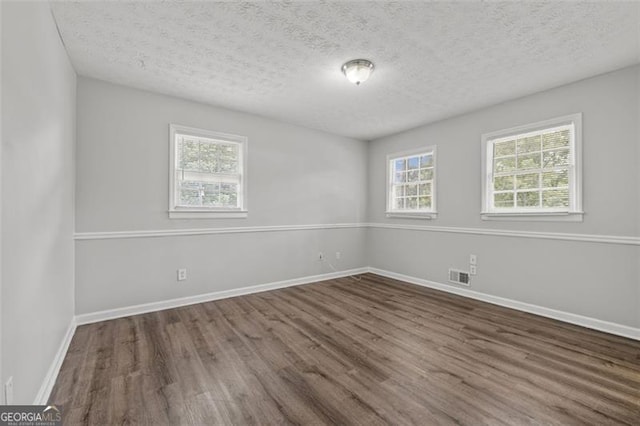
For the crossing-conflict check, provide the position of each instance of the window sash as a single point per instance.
(188, 175)
(397, 203)
(571, 124)
(202, 177)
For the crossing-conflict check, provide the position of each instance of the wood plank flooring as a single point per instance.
(369, 352)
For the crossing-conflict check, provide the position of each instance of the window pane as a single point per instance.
(555, 198)
(503, 200)
(413, 176)
(426, 174)
(504, 148)
(398, 191)
(228, 194)
(228, 158)
(555, 179)
(504, 165)
(189, 197)
(190, 193)
(424, 189)
(211, 194)
(400, 165)
(555, 139)
(413, 163)
(425, 202)
(501, 183)
(528, 181)
(412, 203)
(529, 161)
(188, 154)
(530, 144)
(412, 190)
(426, 161)
(400, 177)
(208, 158)
(528, 199)
(398, 203)
(555, 158)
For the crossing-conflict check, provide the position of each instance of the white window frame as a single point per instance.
(183, 212)
(574, 212)
(413, 214)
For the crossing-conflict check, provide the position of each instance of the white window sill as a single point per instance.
(534, 216)
(208, 214)
(413, 215)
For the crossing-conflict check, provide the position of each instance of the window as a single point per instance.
(208, 174)
(411, 178)
(533, 171)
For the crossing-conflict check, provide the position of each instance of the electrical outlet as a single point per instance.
(8, 391)
(338, 255)
(182, 274)
(472, 269)
(320, 256)
(473, 259)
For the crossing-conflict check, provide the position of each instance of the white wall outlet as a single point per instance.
(338, 255)
(182, 274)
(8, 391)
(320, 256)
(473, 259)
(472, 269)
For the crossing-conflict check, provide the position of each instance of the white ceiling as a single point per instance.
(282, 59)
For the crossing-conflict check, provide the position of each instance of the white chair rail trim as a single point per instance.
(590, 238)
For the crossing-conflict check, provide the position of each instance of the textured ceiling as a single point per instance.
(282, 59)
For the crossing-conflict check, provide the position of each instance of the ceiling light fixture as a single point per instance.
(357, 70)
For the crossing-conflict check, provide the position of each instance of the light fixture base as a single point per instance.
(358, 70)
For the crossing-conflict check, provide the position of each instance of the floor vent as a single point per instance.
(458, 277)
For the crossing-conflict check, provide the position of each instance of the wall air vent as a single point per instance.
(459, 277)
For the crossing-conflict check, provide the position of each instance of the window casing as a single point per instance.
(533, 172)
(208, 174)
(411, 184)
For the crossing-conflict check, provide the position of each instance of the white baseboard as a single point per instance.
(593, 323)
(52, 374)
(200, 298)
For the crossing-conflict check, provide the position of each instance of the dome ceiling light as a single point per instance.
(357, 70)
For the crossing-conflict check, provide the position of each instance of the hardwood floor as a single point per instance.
(374, 351)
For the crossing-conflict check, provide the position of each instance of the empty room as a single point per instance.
(320, 212)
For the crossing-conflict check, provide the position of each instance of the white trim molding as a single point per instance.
(588, 322)
(423, 216)
(534, 217)
(89, 318)
(203, 214)
(590, 238)
(210, 231)
(208, 297)
(52, 374)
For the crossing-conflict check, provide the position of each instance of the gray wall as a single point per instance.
(638, 186)
(2, 396)
(592, 279)
(38, 134)
(339, 180)
(296, 176)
